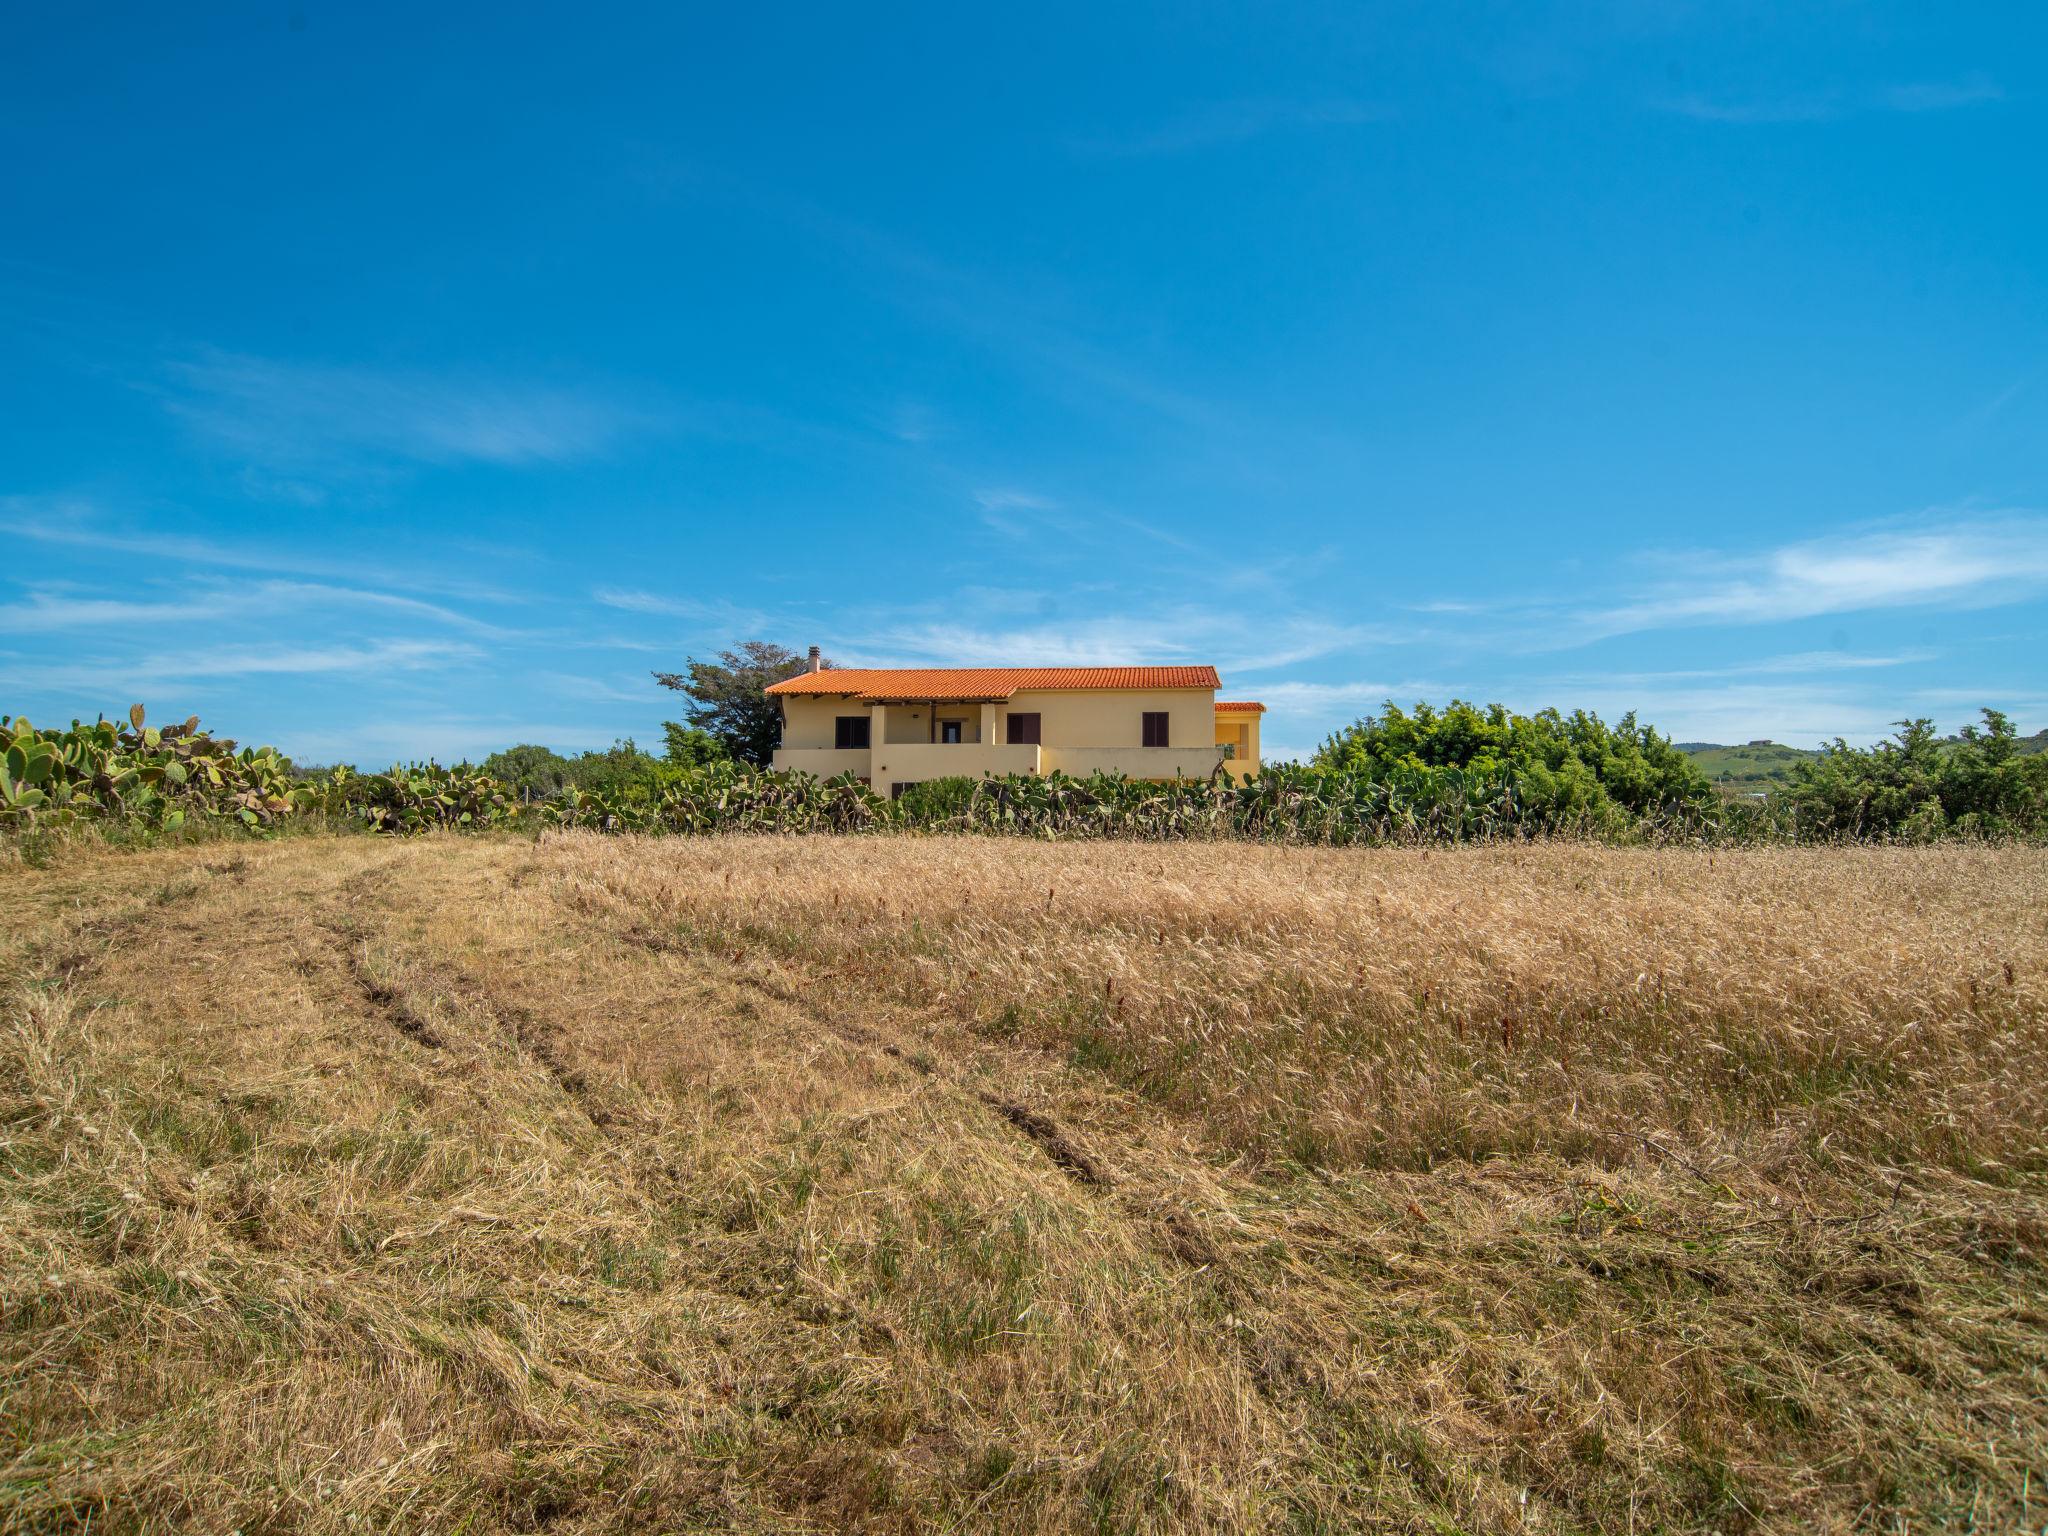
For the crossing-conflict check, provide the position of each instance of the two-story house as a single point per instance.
(895, 726)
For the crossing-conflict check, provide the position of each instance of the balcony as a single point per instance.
(910, 762)
(1134, 762)
(822, 763)
(907, 762)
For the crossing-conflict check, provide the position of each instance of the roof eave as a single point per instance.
(939, 698)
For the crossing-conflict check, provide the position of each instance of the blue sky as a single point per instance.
(387, 381)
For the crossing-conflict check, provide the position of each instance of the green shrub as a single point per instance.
(1541, 772)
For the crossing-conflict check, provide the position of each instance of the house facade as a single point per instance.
(896, 726)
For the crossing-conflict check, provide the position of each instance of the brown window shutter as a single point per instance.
(1023, 729)
(1155, 727)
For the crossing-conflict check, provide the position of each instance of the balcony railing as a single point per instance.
(823, 762)
(908, 761)
(1134, 762)
(911, 760)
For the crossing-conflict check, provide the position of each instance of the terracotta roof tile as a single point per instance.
(1239, 707)
(965, 684)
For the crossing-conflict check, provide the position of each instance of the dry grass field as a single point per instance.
(904, 1184)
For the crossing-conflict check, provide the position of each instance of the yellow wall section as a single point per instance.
(1242, 731)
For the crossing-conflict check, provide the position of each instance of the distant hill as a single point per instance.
(1765, 766)
(1745, 770)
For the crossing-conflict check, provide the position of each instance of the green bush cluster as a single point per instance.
(1917, 787)
(620, 772)
(1539, 772)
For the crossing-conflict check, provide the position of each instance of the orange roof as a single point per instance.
(1239, 707)
(966, 684)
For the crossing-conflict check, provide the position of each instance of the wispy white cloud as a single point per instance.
(80, 523)
(1021, 514)
(1827, 106)
(1014, 512)
(1800, 663)
(716, 612)
(305, 417)
(1753, 110)
(1146, 633)
(1006, 500)
(1060, 642)
(45, 611)
(912, 421)
(1284, 640)
(1942, 95)
(1232, 122)
(170, 668)
(52, 608)
(1961, 564)
(1346, 699)
(633, 688)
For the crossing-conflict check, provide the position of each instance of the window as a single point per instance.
(1023, 729)
(1155, 727)
(949, 732)
(850, 733)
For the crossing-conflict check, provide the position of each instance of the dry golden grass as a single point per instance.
(929, 1184)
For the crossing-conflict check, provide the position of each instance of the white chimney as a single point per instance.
(817, 662)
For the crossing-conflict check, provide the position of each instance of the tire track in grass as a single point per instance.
(1272, 1365)
(395, 1005)
(1066, 1154)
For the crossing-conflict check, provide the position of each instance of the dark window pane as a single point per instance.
(1023, 730)
(850, 733)
(1155, 727)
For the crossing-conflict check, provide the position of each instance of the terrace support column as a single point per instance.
(878, 744)
(988, 725)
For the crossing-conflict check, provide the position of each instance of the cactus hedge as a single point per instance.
(141, 776)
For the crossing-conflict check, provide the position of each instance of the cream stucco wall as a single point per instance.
(807, 722)
(1102, 718)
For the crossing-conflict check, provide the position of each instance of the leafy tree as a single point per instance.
(619, 772)
(689, 747)
(729, 698)
(536, 773)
